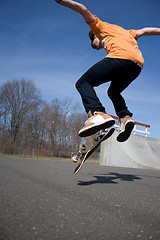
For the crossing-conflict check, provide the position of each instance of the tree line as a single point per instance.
(29, 122)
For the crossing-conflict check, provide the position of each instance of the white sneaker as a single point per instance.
(95, 123)
(126, 127)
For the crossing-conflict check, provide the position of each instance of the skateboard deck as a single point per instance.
(89, 153)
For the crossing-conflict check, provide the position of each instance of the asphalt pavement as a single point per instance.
(44, 200)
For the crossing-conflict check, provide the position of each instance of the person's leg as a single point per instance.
(96, 75)
(100, 73)
(127, 72)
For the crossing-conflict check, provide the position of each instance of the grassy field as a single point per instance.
(44, 158)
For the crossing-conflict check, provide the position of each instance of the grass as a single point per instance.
(43, 158)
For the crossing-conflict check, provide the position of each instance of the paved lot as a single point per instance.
(43, 200)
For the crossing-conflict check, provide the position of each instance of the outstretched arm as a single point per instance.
(148, 31)
(79, 8)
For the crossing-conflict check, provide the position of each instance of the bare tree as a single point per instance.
(28, 122)
(61, 123)
(33, 131)
(18, 100)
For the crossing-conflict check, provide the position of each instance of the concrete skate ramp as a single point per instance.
(137, 152)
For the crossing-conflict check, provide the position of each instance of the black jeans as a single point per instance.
(119, 72)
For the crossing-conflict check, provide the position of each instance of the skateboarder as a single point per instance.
(122, 65)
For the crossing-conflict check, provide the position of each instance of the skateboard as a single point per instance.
(89, 152)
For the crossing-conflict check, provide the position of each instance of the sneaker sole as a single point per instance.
(123, 136)
(95, 128)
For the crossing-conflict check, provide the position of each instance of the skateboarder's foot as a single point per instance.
(96, 122)
(126, 127)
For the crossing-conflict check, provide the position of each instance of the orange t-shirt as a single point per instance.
(117, 41)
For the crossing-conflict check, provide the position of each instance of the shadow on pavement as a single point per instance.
(110, 178)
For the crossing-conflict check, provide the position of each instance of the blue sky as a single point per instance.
(48, 44)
